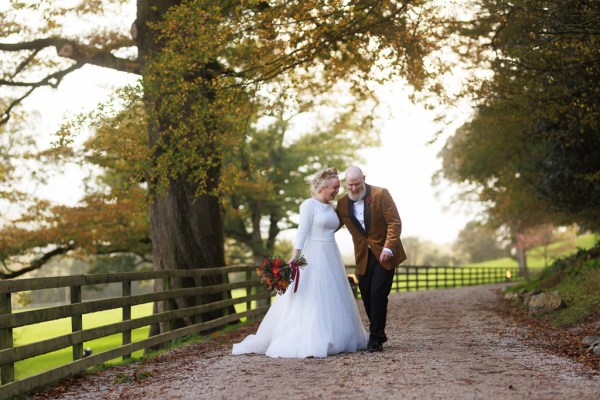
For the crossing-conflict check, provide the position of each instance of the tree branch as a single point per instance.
(101, 58)
(65, 48)
(75, 51)
(38, 44)
(8, 273)
(52, 80)
(35, 264)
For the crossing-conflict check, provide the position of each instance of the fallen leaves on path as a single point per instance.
(562, 341)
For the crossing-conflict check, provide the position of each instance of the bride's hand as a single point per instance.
(294, 255)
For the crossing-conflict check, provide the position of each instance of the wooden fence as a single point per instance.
(406, 279)
(76, 309)
(412, 278)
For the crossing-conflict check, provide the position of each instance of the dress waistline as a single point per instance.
(321, 239)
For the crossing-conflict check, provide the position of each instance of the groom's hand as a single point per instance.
(384, 256)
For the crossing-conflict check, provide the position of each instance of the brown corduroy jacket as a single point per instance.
(383, 227)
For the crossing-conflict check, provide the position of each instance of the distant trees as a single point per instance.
(111, 218)
(477, 242)
(429, 254)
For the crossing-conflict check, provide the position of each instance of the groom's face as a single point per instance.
(355, 185)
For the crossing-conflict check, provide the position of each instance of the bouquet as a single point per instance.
(278, 275)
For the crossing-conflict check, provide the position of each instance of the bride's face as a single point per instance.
(330, 190)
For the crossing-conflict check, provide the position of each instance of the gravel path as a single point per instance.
(444, 344)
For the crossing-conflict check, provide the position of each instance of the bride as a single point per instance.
(321, 318)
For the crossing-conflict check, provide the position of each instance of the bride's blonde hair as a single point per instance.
(321, 178)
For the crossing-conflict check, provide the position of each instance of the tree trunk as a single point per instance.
(521, 254)
(187, 232)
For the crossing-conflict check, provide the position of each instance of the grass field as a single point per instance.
(51, 329)
(59, 327)
(539, 258)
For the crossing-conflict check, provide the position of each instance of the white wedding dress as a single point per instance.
(321, 318)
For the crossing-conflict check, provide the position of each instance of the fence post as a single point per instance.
(6, 339)
(454, 277)
(76, 322)
(225, 295)
(126, 292)
(166, 286)
(417, 278)
(446, 284)
(249, 291)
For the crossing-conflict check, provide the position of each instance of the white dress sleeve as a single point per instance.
(306, 219)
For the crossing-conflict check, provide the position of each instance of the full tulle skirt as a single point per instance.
(320, 319)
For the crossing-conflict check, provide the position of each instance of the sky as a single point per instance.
(404, 164)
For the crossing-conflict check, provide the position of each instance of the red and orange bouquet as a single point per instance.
(278, 275)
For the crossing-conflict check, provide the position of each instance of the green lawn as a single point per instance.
(535, 257)
(59, 327)
(51, 329)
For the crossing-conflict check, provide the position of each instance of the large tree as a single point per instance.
(532, 150)
(201, 63)
(539, 111)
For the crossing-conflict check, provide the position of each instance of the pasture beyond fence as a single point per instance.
(244, 293)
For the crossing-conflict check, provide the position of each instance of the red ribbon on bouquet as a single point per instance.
(295, 274)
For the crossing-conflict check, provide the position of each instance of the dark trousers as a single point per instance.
(375, 286)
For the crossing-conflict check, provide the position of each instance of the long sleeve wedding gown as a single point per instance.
(321, 318)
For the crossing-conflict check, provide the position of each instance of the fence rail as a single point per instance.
(255, 298)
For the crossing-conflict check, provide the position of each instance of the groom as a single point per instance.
(371, 216)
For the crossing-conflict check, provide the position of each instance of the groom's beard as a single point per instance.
(358, 196)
